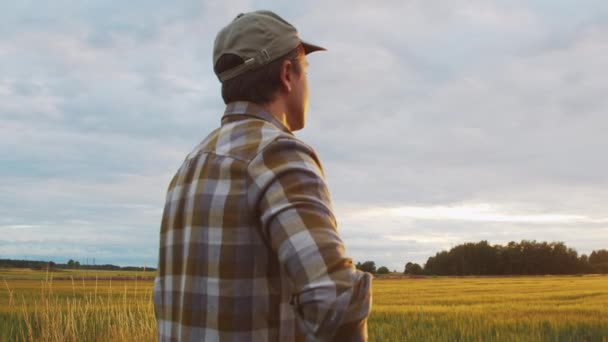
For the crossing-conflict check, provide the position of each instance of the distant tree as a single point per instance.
(440, 264)
(42, 265)
(412, 268)
(525, 257)
(583, 264)
(598, 261)
(368, 266)
(73, 264)
(383, 270)
(598, 257)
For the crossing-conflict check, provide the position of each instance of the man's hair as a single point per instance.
(259, 85)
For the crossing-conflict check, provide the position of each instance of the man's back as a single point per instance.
(249, 248)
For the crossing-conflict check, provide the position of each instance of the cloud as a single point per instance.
(476, 213)
(500, 125)
(18, 226)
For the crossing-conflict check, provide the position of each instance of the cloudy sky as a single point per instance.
(438, 122)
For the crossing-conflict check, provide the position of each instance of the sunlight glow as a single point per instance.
(476, 213)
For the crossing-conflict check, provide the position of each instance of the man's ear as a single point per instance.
(285, 76)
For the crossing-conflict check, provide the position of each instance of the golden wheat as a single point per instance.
(422, 309)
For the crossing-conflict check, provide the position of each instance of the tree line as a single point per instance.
(70, 264)
(527, 257)
(370, 266)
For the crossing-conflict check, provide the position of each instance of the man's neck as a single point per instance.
(278, 110)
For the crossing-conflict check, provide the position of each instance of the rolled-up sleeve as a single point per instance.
(289, 194)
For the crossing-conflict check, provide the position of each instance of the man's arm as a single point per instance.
(289, 192)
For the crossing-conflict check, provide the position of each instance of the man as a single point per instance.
(249, 248)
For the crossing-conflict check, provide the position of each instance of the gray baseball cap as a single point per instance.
(259, 38)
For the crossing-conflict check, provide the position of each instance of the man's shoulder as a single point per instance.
(284, 152)
(243, 140)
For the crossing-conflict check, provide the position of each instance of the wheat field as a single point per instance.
(36, 306)
(491, 309)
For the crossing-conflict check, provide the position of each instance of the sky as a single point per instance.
(437, 123)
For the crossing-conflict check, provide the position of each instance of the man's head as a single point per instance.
(259, 58)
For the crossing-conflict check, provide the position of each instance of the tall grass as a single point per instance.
(77, 311)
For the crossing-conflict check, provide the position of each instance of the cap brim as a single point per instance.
(308, 48)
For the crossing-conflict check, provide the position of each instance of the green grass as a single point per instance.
(429, 309)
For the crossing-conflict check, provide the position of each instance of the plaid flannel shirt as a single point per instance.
(249, 248)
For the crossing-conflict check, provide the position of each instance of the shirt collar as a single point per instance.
(251, 109)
